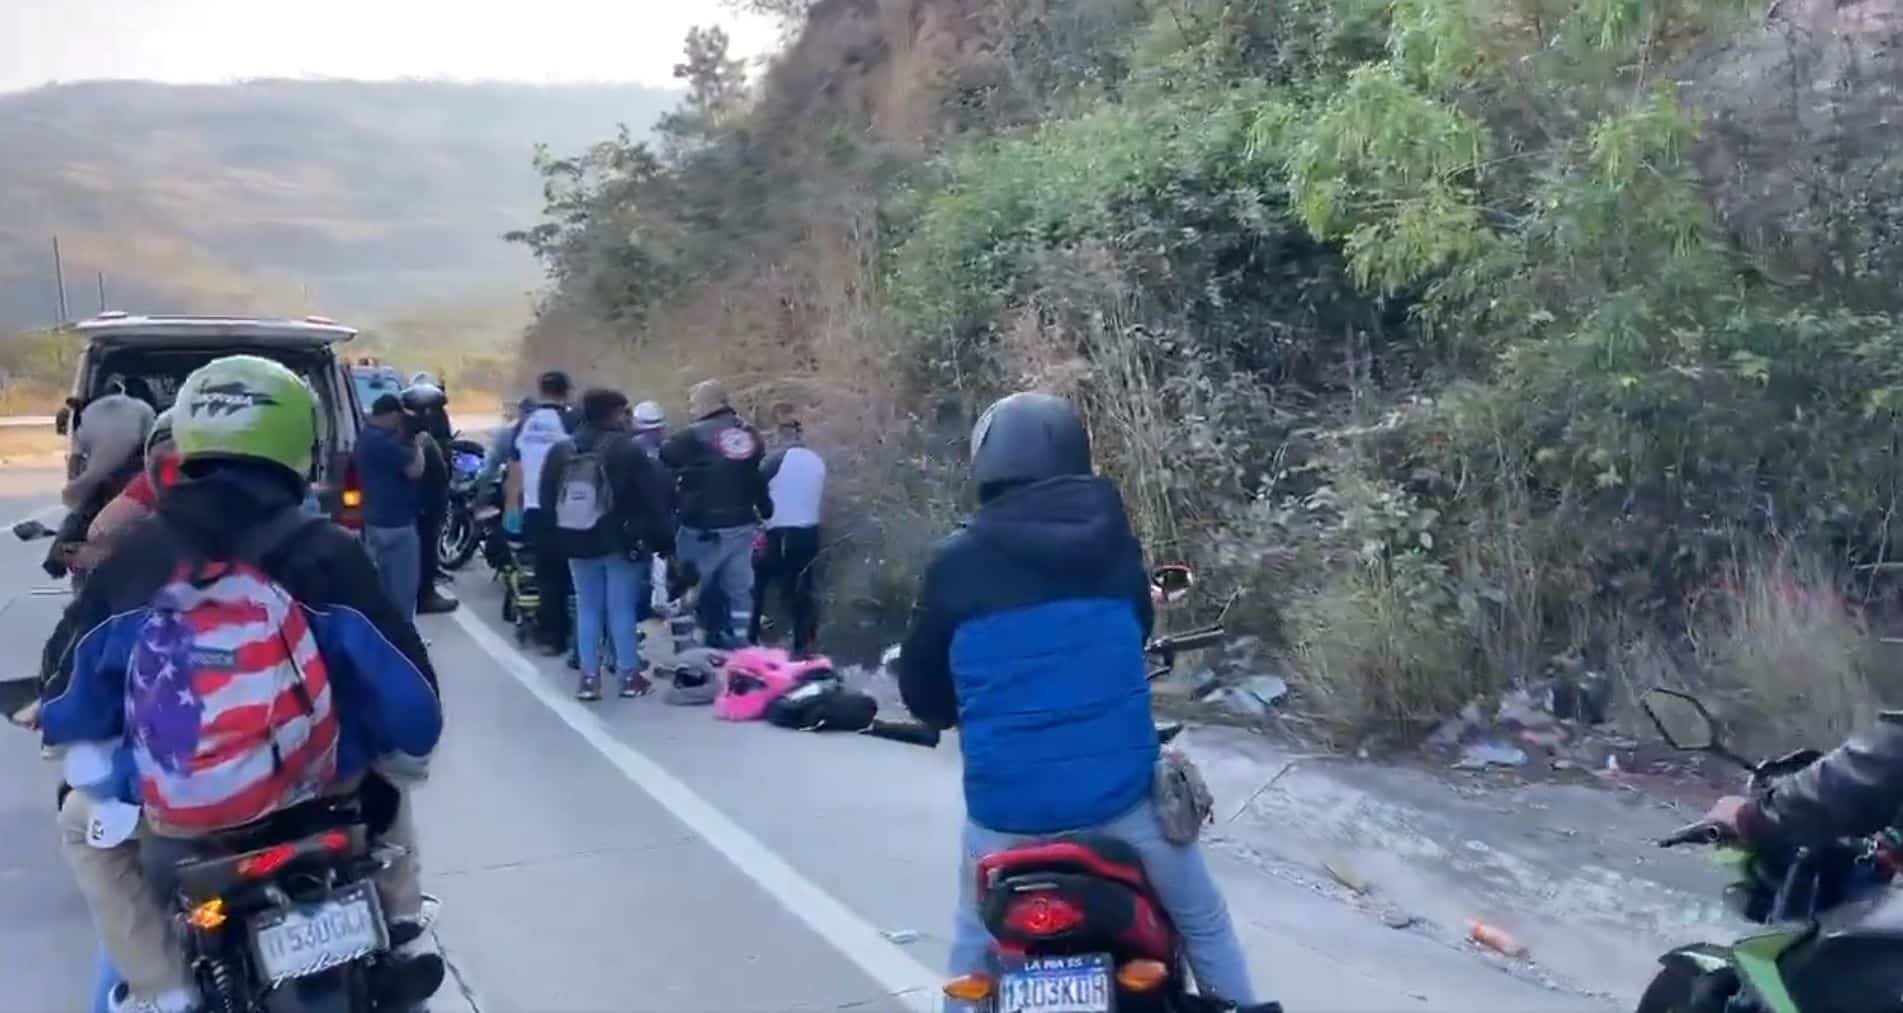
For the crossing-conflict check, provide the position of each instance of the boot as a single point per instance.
(414, 971)
(434, 602)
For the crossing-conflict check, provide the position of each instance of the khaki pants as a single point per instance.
(133, 919)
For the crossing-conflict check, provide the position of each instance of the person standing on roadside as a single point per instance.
(428, 408)
(536, 434)
(723, 498)
(609, 501)
(796, 481)
(390, 463)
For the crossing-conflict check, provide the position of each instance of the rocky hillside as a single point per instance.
(1470, 343)
(337, 196)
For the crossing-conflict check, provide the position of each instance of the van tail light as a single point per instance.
(350, 497)
(1043, 914)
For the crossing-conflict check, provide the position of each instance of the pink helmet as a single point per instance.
(757, 676)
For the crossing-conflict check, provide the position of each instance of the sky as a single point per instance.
(213, 41)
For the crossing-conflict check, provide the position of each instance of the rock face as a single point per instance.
(1801, 148)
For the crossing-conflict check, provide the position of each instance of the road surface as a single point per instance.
(628, 856)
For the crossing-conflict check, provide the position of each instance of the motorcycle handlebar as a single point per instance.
(1701, 832)
(1192, 641)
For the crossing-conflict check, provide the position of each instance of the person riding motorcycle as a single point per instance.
(245, 428)
(1029, 633)
(1854, 790)
(428, 409)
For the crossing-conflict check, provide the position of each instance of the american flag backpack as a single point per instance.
(229, 711)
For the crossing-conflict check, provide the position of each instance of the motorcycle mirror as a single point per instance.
(1172, 581)
(1684, 723)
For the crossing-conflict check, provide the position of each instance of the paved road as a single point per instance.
(631, 856)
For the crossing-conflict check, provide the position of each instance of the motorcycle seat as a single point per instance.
(1090, 853)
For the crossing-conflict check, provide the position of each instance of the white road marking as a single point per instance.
(914, 984)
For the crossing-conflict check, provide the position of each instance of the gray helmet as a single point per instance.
(423, 396)
(649, 415)
(1028, 437)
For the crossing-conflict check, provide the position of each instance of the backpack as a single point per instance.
(586, 497)
(228, 706)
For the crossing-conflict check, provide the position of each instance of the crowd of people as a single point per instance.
(604, 491)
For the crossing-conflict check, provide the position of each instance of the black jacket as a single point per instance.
(1856, 789)
(717, 462)
(639, 520)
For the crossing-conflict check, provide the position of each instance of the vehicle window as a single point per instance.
(155, 378)
(372, 385)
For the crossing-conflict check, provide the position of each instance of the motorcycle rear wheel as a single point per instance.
(458, 542)
(1675, 990)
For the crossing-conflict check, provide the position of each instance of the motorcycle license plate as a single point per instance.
(295, 942)
(1078, 984)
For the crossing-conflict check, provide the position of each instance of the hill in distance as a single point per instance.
(354, 199)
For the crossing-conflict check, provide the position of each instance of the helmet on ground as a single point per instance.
(420, 397)
(649, 415)
(246, 408)
(1028, 437)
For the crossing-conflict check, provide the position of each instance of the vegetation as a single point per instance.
(1461, 335)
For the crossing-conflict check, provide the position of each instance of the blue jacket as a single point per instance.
(1028, 634)
(381, 680)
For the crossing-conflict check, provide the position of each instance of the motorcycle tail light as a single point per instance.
(207, 916)
(266, 862)
(1043, 914)
(334, 841)
(1142, 975)
(969, 988)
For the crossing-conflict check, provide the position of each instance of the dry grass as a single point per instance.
(1787, 650)
(32, 447)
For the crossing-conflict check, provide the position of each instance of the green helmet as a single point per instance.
(243, 407)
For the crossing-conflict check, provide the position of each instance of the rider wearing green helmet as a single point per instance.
(246, 430)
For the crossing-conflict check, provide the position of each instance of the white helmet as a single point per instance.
(649, 415)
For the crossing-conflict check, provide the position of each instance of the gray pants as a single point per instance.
(398, 553)
(724, 557)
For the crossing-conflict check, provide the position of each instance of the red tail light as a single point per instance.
(334, 841)
(1043, 914)
(266, 862)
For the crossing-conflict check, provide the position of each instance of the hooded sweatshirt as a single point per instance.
(1029, 634)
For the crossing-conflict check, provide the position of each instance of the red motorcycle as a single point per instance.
(1076, 926)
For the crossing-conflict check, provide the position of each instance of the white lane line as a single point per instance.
(912, 983)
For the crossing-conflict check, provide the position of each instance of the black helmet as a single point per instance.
(1028, 437)
(423, 397)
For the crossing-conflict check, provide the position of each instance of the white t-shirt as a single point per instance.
(540, 432)
(797, 488)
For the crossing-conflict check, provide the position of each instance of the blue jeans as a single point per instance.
(398, 553)
(724, 557)
(1182, 882)
(606, 590)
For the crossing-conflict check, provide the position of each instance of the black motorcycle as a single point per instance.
(462, 533)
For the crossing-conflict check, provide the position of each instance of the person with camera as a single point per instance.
(391, 458)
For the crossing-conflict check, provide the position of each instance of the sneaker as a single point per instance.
(635, 684)
(435, 604)
(590, 688)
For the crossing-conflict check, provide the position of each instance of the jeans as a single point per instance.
(606, 590)
(724, 557)
(398, 555)
(791, 561)
(1181, 880)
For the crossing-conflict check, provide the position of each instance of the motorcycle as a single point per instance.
(462, 533)
(1833, 924)
(283, 916)
(1076, 925)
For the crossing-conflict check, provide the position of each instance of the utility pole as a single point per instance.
(102, 291)
(59, 278)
